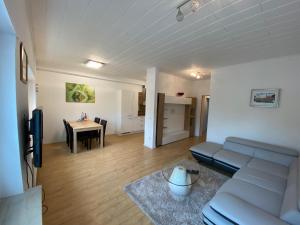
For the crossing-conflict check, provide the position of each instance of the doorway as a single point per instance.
(204, 117)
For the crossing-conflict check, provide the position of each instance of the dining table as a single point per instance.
(85, 125)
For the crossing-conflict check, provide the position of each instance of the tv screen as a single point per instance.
(36, 130)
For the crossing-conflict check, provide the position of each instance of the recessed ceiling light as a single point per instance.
(198, 77)
(93, 64)
(193, 74)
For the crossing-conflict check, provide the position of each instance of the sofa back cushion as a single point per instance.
(281, 159)
(238, 147)
(298, 183)
(273, 153)
(289, 209)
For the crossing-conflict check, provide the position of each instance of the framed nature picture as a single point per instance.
(268, 98)
(80, 93)
(23, 64)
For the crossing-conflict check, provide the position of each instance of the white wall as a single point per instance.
(231, 115)
(19, 13)
(170, 84)
(51, 97)
(22, 113)
(31, 94)
(31, 106)
(11, 182)
(14, 101)
(14, 95)
(200, 88)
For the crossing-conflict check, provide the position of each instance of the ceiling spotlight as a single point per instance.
(179, 16)
(93, 64)
(195, 5)
(193, 74)
(198, 77)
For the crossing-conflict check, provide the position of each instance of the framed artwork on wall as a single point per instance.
(266, 98)
(23, 65)
(80, 93)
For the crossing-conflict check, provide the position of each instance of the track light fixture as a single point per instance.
(179, 16)
(195, 4)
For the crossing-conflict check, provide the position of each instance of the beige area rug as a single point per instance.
(151, 194)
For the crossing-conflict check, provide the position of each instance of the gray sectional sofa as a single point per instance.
(265, 186)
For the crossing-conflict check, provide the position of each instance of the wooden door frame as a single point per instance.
(202, 117)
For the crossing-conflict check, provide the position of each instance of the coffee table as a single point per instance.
(180, 179)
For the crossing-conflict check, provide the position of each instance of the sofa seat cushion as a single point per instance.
(298, 190)
(207, 148)
(262, 198)
(232, 158)
(269, 167)
(265, 180)
(289, 209)
(241, 212)
(211, 217)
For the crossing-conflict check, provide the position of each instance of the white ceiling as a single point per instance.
(132, 35)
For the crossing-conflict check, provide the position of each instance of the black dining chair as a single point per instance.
(97, 134)
(97, 120)
(103, 123)
(94, 134)
(67, 132)
(81, 136)
(70, 133)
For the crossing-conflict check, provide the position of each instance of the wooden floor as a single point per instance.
(87, 188)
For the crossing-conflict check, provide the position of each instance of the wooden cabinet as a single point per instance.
(160, 118)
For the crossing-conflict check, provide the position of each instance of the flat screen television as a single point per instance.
(36, 130)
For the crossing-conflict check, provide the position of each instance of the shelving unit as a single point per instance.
(175, 118)
(190, 116)
(141, 103)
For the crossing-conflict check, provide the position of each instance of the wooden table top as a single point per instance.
(85, 124)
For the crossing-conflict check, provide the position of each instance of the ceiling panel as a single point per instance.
(131, 35)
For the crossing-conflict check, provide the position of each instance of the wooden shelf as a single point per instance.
(141, 104)
(190, 112)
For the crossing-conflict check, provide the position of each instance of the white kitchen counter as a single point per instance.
(22, 209)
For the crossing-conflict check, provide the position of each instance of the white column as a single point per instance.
(151, 104)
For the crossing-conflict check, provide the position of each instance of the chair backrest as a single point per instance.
(97, 120)
(70, 130)
(65, 123)
(103, 123)
(66, 128)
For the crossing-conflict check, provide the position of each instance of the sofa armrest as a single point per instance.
(241, 212)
